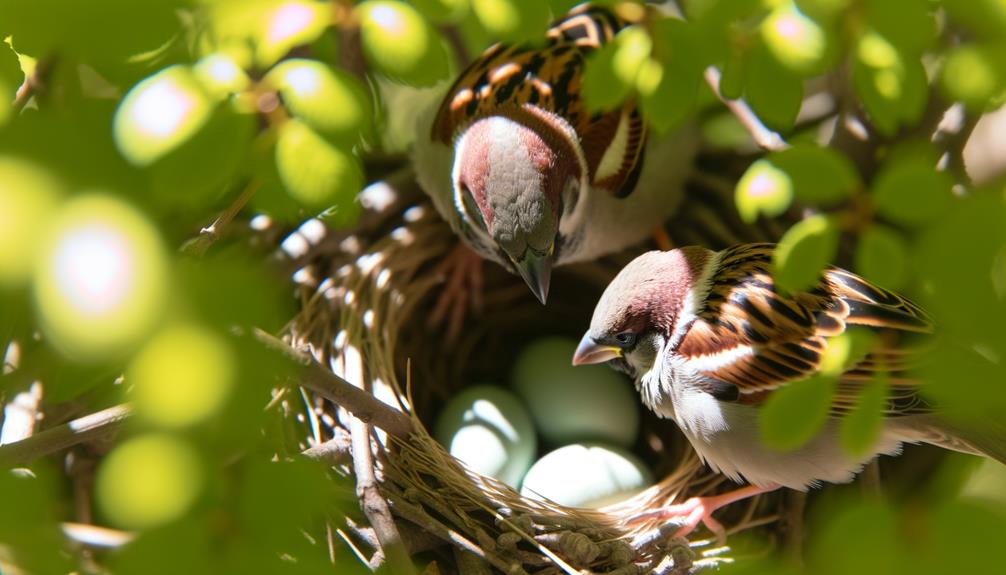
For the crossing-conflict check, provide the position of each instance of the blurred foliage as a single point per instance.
(126, 127)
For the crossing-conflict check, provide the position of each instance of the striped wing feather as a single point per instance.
(549, 78)
(756, 339)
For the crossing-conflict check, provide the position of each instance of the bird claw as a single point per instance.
(697, 510)
(462, 271)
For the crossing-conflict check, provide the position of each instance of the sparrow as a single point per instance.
(526, 176)
(708, 337)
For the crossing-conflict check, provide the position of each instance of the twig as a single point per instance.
(374, 506)
(87, 428)
(198, 245)
(765, 138)
(796, 503)
(363, 405)
(32, 83)
(335, 451)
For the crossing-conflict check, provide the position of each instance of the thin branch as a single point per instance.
(87, 428)
(32, 84)
(334, 451)
(374, 506)
(198, 245)
(765, 138)
(361, 404)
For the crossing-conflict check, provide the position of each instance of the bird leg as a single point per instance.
(462, 271)
(697, 510)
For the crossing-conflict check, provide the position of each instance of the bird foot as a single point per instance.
(462, 271)
(697, 510)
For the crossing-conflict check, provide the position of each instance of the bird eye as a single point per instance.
(626, 339)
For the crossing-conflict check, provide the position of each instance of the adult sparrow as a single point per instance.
(526, 176)
(708, 338)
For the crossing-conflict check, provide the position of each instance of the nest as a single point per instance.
(366, 300)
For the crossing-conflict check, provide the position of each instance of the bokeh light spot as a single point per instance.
(173, 392)
(27, 197)
(100, 284)
(148, 481)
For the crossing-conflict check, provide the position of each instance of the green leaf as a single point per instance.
(285, 25)
(11, 77)
(732, 76)
(330, 101)
(443, 11)
(986, 17)
(796, 412)
(861, 427)
(763, 189)
(805, 250)
(973, 75)
(891, 84)
(908, 24)
(820, 175)
(313, 171)
(911, 191)
(514, 21)
(882, 256)
(797, 42)
(846, 350)
(160, 114)
(611, 72)
(854, 530)
(774, 93)
(669, 85)
(399, 43)
(221, 75)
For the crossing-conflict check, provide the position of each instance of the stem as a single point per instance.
(93, 426)
(198, 245)
(764, 137)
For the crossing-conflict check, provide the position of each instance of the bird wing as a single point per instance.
(550, 78)
(756, 339)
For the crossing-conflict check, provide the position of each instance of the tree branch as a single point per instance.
(361, 404)
(93, 426)
(198, 245)
(764, 137)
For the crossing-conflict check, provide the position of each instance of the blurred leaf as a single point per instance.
(221, 75)
(278, 499)
(108, 34)
(908, 24)
(763, 189)
(159, 114)
(774, 93)
(611, 72)
(228, 288)
(987, 17)
(794, 40)
(732, 75)
(724, 130)
(28, 194)
(947, 548)
(882, 256)
(28, 527)
(796, 412)
(329, 101)
(148, 480)
(181, 547)
(514, 21)
(973, 75)
(820, 176)
(891, 84)
(824, 10)
(398, 42)
(861, 427)
(443, 11)
(910, 191)
(11, 77)
(854, 534)
(805, 250)
(287, 24)
(669, 85)
(314, 172)
(196, 173)
(846, 350)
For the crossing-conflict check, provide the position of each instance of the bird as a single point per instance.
(526, 176)
(708, 337)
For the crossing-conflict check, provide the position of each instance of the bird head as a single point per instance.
(648, 304)
(514, 176)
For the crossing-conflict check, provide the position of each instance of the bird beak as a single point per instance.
(537, 273)
(590, 351)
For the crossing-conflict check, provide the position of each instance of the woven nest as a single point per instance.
(366, 300)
